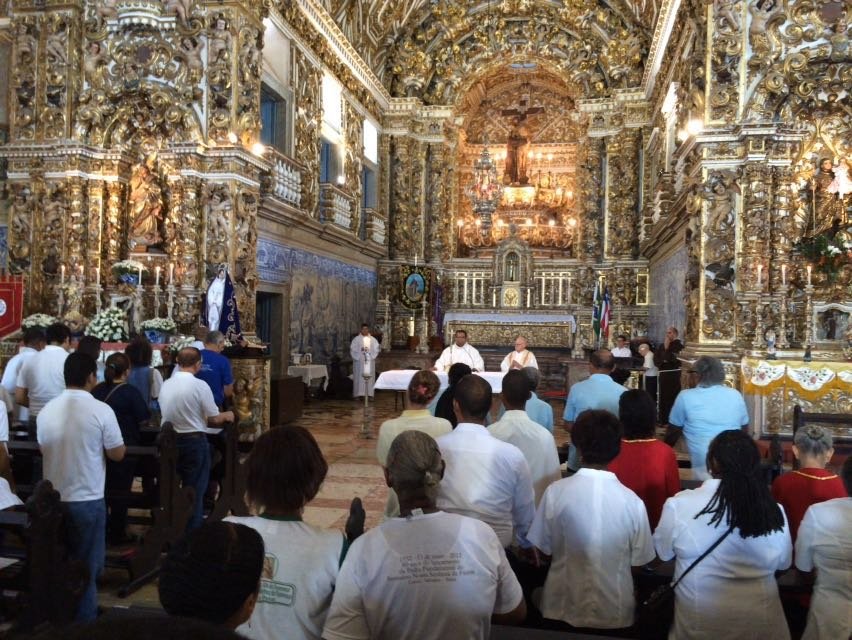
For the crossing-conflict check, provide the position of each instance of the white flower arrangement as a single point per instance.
(42, 320)
(181, 342)
(109, 325)
(128, 266)
(165, 325)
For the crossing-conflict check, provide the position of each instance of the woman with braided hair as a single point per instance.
(811, 482)
(425, 574)
(731, 593)
(422, 389)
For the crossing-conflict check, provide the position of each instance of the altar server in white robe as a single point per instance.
(520, 357)
(460, 351)
(364, 351)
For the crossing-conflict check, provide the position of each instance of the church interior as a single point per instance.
(429, 166)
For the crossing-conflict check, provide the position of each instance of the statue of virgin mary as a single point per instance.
(221, 308)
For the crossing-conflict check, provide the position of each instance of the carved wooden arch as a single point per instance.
(525, 260)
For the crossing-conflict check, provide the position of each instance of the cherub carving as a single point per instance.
(181, 8)
(220, 40)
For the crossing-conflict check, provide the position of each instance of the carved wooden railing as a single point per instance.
(376, 226)
(285, 181)
(335, 206)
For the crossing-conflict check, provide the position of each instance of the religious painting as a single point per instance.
(414, 282)
(832, 322)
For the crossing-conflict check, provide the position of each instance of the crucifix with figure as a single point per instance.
(518, 142)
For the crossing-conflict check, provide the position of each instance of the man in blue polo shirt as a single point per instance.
(598, 391)
(216, 368)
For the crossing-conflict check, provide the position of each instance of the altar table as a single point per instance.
(398, 379)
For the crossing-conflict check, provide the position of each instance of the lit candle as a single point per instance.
(366, 343)
(415, 260)
(494, 299)
(528, 297)
(171, 272)
(759, 275)
(784, 274)
(157, 276)
(62, 274)
(411, 326)
(809, 274)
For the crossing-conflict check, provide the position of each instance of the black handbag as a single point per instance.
(655, 614)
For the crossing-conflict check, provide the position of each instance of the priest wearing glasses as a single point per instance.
(460, 351)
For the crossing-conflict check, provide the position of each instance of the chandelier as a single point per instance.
(485, 190)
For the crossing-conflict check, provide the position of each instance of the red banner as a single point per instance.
(11, 304)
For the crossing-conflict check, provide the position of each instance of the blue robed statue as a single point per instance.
(221, 308)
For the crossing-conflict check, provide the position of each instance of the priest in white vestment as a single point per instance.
(520, 357)
(364, 350)
(460, 351)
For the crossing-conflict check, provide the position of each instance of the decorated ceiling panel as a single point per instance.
(427, 48)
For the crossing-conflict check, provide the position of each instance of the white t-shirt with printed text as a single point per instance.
(430, 577)
(299, 572)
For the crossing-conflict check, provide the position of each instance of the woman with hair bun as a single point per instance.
(425, 574)
(731, 593)
(811, 482)
(131, 411)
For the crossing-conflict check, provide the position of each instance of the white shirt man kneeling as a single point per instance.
(74, 432)
(187, 402)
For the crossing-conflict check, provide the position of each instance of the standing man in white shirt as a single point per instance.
(460, 351)
(520, 357)
(485, 478)
(363, 346)
(74, 432)
(41, 378)
(34, 342)
(622, 348)
(187, 402)
(516, 427)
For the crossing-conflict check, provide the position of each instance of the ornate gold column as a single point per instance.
(622, 185)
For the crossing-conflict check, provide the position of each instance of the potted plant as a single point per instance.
(157, 330)
(128, 271)
(109, 325)
(41, 320)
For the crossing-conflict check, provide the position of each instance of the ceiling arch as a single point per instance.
(427, 48)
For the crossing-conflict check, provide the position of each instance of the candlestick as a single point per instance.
(782, 339)
(415, 260)
(170, 301)
(809, 274)
(62, 274)
(157, 276)
(758, 342)
(784, 275)
(494, 299)
(528, 298)
(411, 326)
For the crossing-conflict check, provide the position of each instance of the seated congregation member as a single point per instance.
(187, 403)
(538, 410)
(41, 376)
(422, 389)
(91, 346)
(516, 427)
(486, 478)
(444, 408)
(131, 412)
(598, 391)
(213, 574)
(811, 482)
(520, 357)
(705, 411)
(595, 529)
(825, 545)
(143, 376)
(732, 592)
(74, 432)
(285, 471)
(425, 574)
(645, 465)
(460, 352)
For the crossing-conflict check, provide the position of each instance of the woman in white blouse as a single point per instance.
(732, 593)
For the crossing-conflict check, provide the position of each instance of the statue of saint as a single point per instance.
(146, 205)
(824, 202)
(517, 148)
(221, 309)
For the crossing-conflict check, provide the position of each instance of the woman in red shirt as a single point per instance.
(645, 465)
(811, 482)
